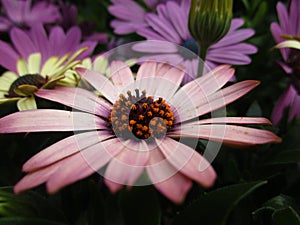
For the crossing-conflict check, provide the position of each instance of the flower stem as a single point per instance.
(202, 54)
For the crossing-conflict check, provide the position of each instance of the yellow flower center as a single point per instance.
(141, 115)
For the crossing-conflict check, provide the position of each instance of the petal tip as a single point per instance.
(81, 71)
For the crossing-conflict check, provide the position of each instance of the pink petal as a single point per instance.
(188, 162)
(121, 75)
(76, 98)
(175, 188)
(36, 177)
(49, 120)
(233, 120)
(159, 80)
(227, 134)
(127, 166)
(166, 178)
(63, 149)
(87, 162)
(223, 97)
(146, 70)
(188, 99)
(74, 169)
(173, 74)
(100, 82)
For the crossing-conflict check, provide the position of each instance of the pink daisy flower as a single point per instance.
(22, 13)
(289, 27)
(136, 129)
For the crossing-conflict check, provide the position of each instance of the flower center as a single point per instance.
(24, 81)
(141, 115)
(192, 45)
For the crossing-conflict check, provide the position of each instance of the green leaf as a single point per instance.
(260, 14)
(286, 216)
(277, 203)
(27, 221)
(215, 207)
(29, 205)
(246, 4)
(140, 206)
(254, 110)
(282, 210)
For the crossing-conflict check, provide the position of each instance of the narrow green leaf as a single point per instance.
(140, 206)
(246, 4)
(281, 209)
(260, 14)
(286, 216)
(29, 205)
(215, 207)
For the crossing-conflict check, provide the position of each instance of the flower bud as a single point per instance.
(209, 20)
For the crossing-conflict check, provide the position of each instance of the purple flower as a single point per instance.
(289, 24)
(56, 43)
(290, 99)
(288, 28)
(22, 13)
(131, 15)
(69, 15)
(170, 23)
